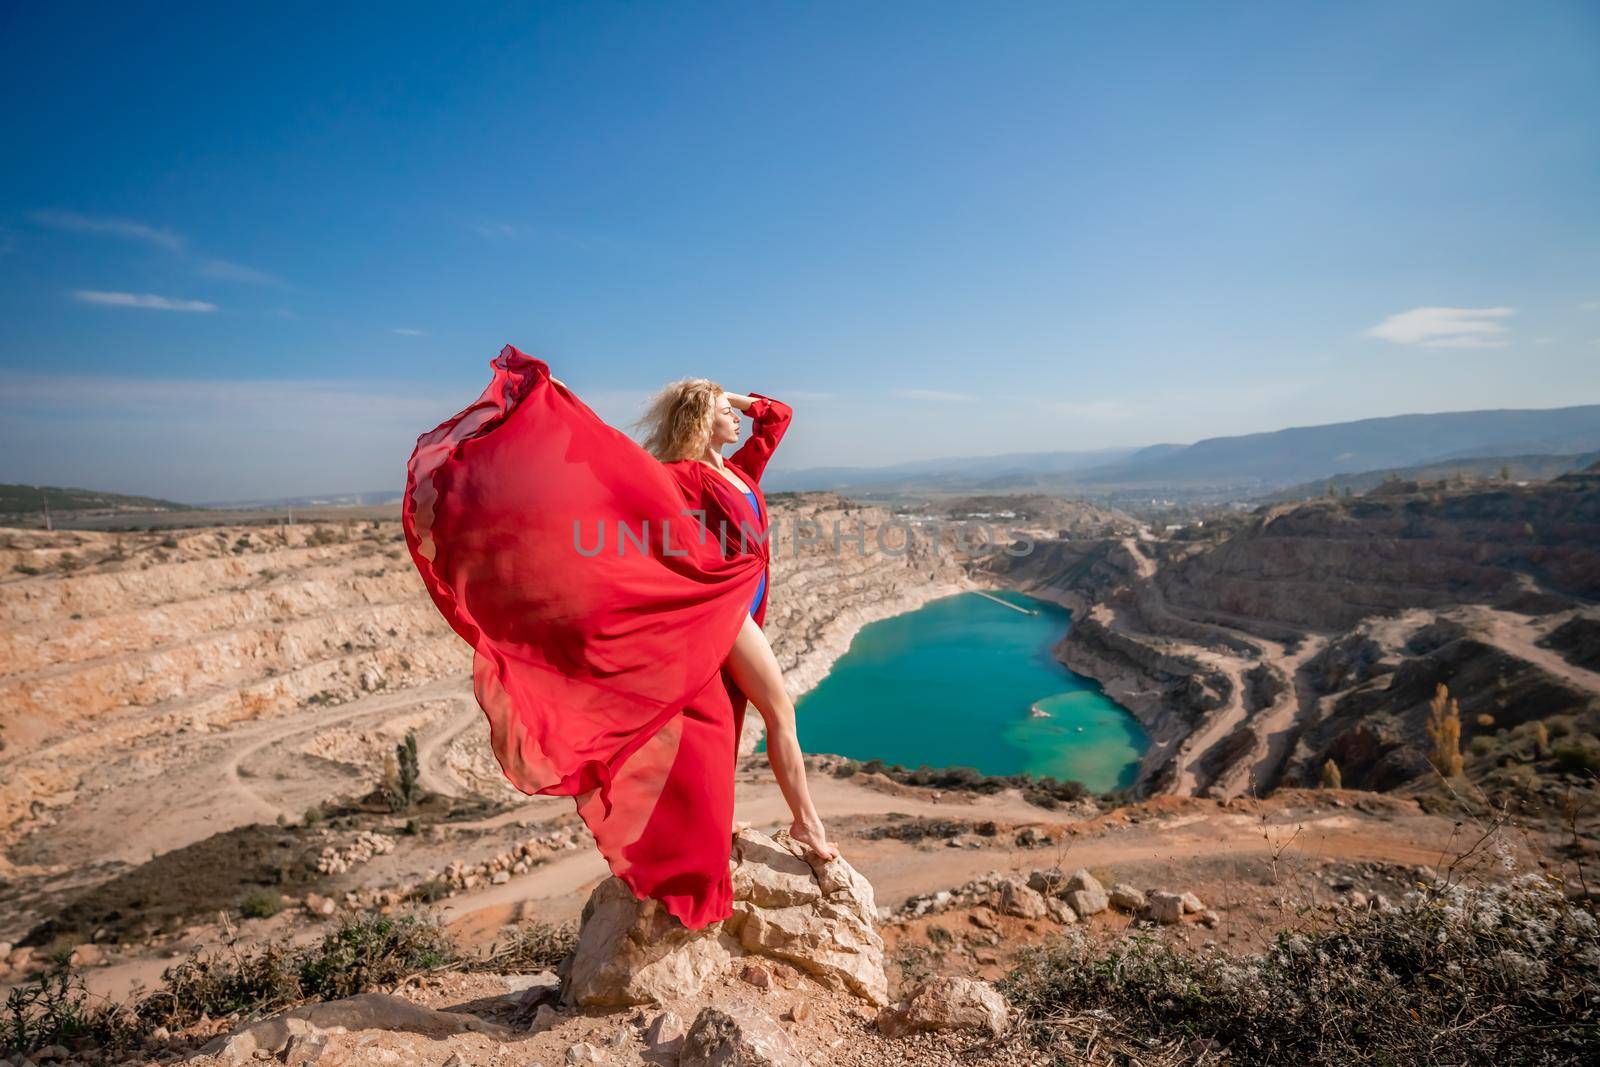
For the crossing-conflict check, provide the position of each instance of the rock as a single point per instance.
(304, 1050)
(365, 1011)
(1191, 904)
(1127, 898)
(947, 1002)
(1014, 897)
(86, 955)
(738, 1037)
(544, 1017)
(1210, 918)
(1087, 902)
(1166, 908)
(756, 975)
(583, 1052)
(769, 876)
(1047, 882)
(817, 916)
(1081, 879)
(833, 939)
(1085, 893)
(634, 952)
(800, 1012)
(530, 990)
(665, 1030)
(1060, 911)
(983, 919)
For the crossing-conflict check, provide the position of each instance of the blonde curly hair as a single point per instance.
(677, 420)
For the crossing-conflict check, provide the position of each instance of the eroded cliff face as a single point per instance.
(267, 668)
(1314, 632)
(1329, 564)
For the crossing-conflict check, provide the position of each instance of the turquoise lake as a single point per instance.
(952, 684)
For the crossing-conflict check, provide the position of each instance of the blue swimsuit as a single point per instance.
(762, 588)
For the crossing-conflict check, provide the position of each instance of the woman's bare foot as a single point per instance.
(815, 838)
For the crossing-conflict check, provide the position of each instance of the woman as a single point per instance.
(614, 641)
(688, 423)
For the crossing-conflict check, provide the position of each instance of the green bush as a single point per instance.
(1577, 759)
(261, 904)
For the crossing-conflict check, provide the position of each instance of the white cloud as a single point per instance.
(934, 394)
(1589, 305)
(160, 236)
(495, 230)
(140, 300)
(126, 228)
(1439, 327)
(237, 272)
(405, 331)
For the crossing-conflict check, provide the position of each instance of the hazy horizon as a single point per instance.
(251, 255)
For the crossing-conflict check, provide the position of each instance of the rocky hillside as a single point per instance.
(1321, 631)
(270, 669)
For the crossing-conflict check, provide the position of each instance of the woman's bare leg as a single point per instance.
(756, 672)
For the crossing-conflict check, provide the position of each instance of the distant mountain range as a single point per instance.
(1244, 465)
(19, 500)
(1535, 468)
(1295, 461)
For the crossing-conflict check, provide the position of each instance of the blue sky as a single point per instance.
(254, 250)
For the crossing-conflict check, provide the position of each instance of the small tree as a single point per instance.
(1444, 730)
(1331, 778)
(400, 775)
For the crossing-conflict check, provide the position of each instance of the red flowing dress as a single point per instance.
(601, 590)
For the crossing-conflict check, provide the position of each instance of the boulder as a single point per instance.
(1048, 882)
(1166, 908)
(1127, 898)
(634, 952)
(665, 1032)
(1014, 897)
(1085, 893)
(788, 906)
(738, 1037)
(947, 1002)
(365, 1011)
(1060, 911)
(1191, 904)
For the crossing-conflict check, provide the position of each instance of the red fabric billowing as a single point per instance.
(600, 672)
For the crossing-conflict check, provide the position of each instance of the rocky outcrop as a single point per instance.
(1252, 658)
(1375, 729)
(306, 1026)
(1328, 564)
(947, 1002)
(818, 917)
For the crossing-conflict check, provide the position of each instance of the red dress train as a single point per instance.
(600, 590)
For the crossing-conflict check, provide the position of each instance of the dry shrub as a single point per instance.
(1495, 975)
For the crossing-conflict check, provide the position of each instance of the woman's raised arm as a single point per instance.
(769, 422)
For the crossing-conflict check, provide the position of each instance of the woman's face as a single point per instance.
(724, 422)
